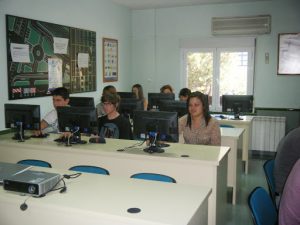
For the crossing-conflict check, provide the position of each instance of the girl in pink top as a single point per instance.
(198, 127)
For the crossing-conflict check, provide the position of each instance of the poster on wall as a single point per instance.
(42, 56)
(110, 59)
(289, 54)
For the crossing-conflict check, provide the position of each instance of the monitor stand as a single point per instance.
(19, 135)
(237, 117)
(153, 149)
(75, 139)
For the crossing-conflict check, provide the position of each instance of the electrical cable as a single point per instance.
(132, 146)
(62, 189)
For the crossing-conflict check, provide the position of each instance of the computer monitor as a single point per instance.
(237, 104)
(156, 126)
(22, 117)
(124, 94)
(174, 106)
(129, 105)
(77, 120)
(155, 98)
(82, 101)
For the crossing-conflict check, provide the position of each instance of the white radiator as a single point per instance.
(267, 131)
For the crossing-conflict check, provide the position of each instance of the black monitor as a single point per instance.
(82, 101)
(237, 104)
(129, 105)
(174, 106)
(155, 98)
(157, 126)
(124, 94)
(22, 117)
(77, 120)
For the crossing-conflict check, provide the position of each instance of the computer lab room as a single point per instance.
(177, 112)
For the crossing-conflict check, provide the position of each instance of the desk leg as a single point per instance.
(245, 156)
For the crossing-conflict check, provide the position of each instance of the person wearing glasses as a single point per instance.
(113, 125)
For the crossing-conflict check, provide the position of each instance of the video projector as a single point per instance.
(31, 182)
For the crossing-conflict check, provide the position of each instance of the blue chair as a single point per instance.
(35, 162)
(262, 207)
(90, 169)
(153, 176)
(268, 169)
(226, 125)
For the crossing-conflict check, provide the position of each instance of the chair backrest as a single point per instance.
(268, 169)
(90, 169)
(35, 162)
(226, 125)
(262, 207)
(154, 176)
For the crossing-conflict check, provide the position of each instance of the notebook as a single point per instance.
(9, 169)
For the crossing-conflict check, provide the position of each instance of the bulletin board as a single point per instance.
(42, 56)
(288, 54)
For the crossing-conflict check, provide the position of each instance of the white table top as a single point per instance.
(195, 153)
(231, 132)
(230, 118)
(93, 197)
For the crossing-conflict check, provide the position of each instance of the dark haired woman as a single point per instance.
(137, 89)
(198, 127)
(113, 125)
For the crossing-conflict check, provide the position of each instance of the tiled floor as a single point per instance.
(239, 214)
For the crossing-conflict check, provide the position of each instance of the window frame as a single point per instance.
(216, 106)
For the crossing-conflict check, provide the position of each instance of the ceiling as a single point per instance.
(151, 4)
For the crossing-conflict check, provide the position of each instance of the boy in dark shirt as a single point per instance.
(113, 125)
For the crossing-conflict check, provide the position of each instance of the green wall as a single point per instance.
(106, 18)
(156, 46)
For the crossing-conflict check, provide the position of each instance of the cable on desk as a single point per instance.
(132, 146)
(62, 189)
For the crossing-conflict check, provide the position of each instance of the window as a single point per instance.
(218, 71)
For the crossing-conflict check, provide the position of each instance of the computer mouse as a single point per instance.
(40, 136)
(99, 140)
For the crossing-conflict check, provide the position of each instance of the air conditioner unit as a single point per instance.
(251, 25)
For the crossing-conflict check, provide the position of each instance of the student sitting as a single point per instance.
(184, 93)
(198, 127)
(113, 125)
(49, 124)
(106, 90)
(137, 89)
(167, 89)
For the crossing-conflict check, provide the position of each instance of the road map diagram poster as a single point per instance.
(34, 47)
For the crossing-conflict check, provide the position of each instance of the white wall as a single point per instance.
(102, 16)
(157, 34)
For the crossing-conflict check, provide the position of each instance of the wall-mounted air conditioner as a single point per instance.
(251, 25)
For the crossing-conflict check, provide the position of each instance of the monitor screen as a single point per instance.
(174, 106)
(123, 94)
(155, 98)
(237, 103)
(74, 119)
(82, 101)
(27, 115)
(164, 123)
(129, 105)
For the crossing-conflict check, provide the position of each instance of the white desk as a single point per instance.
(206, 165)
(93, 199)
(231, 137)
(245, 123)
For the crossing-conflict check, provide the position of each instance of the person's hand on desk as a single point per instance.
(39, 134)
